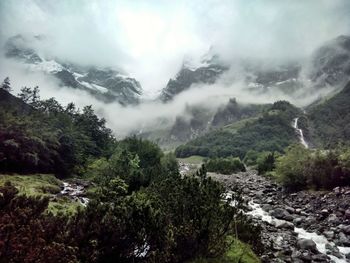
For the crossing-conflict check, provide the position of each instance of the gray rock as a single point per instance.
(298, 210)
(346, 229)
(337, 190)
(267, 207)
(333, 219)
(284, 224)
(343, 240)
(297, 221)
(306, 256)
(325, 212)
(320, 258)
(329, 234)
(307, 244)
(347, 214)
(280, 213)
(290, 210)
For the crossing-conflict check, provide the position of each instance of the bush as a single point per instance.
(300, 168)
(290, 167)
(225, 165)
(265, 162)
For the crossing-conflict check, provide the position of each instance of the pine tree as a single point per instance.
(6, 84)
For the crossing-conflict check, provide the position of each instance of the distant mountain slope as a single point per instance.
(105, 84)
(330, 120)
(331, 63)
(207, 73)
(327, 69)
(198, 120)
(270, 132)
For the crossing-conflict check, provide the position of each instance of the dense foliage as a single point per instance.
(27, 234)
(43, 136)
(271, 132)
(227, 165)
(301, 168)
(330, 120)
(173, 220)
(141, 209)
(266, 162)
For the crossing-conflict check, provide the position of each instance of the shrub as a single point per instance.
(265, 162)
(290, 167)
(225, 165)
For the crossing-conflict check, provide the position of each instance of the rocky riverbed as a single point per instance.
(296, 227)
(76, 191)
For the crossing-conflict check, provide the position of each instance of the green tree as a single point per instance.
(6, 85)
(290, 167)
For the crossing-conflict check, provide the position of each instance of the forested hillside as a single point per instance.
(330, 120)
(140, 209)
(44, 136)
(272, 131)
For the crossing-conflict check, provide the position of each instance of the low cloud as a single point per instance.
(149, 39)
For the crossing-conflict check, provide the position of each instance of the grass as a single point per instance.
(194, 159)
(234, 127)
(34, 185)
(237, 253)
(43, 185)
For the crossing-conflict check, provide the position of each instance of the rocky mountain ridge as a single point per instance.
(105, 84)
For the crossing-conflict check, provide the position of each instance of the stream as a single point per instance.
(300, 132)
(296, 227)
(75, 191)
(320, 240)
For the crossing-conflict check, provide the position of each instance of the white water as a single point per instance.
(300, 133)
(320, 240)
(75, 191)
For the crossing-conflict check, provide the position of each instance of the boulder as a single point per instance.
(347, 214)
(280, 213)
(324, 212)
(333, 219)
(329, 234)
(307, 244)
(297, 221)
(320, 258)
(343, 240)
(290, 210)
(345, 228)
(284, 224)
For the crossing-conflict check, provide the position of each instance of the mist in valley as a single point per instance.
(151, 42)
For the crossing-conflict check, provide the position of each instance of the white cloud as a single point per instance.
(150, 38)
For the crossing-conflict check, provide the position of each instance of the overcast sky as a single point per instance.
(149, 39)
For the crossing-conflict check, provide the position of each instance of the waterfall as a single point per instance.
(300, 133)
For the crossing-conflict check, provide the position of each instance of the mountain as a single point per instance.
(330, 120)
(207, 73)
(328, 68)
(330, 64)
(105, 84)
(198, 120)
(271, 131)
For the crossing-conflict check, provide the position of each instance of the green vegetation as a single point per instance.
(42, 185)
(140, 208)
(237, 253)
(194, 159)
(271, 132)
(266, 162)
(227, 165)
(33, 185)
(41, 136)
(301, 168)
(330, 120)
